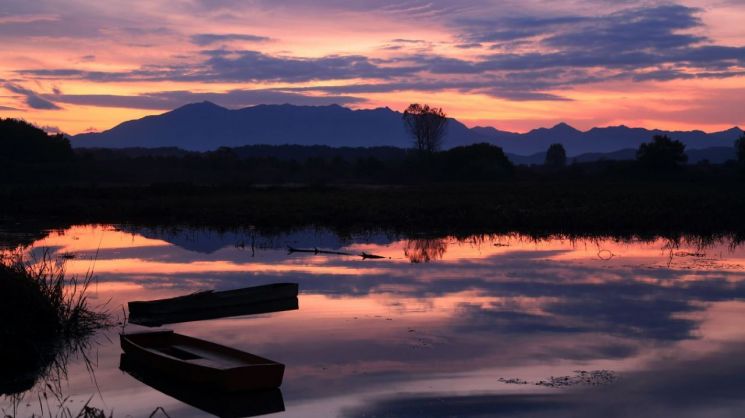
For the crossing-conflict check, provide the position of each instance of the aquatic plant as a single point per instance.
(44, 316)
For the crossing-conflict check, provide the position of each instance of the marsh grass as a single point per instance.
(588, 207)
(45, 317)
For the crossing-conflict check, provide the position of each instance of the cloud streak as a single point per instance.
(204, 39)
(471, 54)
(32, 99)
(637, 45)
(171, 99)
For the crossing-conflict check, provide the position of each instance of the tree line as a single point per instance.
(32, 156)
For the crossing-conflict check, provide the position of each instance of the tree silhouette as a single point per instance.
(477, 162)
(556, 156)
(662, 153)
(426, 125)
(740, 148)
(22, 142)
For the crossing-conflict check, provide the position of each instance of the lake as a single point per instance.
(479, 326)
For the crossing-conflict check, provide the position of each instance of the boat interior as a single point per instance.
(195, 351)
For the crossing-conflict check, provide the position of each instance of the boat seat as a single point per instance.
(177, 352)
(210, 358)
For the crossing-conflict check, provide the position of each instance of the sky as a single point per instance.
(87, 65)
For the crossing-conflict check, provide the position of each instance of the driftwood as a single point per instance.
(315, 251)
(364, 255)
(301, 250)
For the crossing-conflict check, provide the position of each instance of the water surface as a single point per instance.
(435, 327)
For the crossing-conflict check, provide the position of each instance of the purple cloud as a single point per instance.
(204, 39)
(33, 100)
(233, 98)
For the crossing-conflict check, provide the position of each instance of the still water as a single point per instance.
(439, 327)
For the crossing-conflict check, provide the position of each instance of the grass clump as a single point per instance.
(44, 315)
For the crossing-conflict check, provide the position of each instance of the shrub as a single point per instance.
(662, 153)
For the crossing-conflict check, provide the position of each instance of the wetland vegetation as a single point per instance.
(45, 316)
(472, 188)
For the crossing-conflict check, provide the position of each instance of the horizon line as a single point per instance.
(475, 126)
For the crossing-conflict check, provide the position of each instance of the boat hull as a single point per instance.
(213, 365)
(213, 300)
(218, 403)
(156, 320)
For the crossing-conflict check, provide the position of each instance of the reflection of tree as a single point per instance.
(425, 250)
(22, 234)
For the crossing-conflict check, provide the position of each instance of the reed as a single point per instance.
(45, 315)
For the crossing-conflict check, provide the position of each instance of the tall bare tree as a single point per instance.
(427, 125)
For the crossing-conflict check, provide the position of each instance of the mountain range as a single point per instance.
(206, 126)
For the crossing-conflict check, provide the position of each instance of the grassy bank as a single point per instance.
(44, 315)
(646, 208)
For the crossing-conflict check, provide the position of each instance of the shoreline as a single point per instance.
(583, 208)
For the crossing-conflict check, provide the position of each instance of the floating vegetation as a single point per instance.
(605, 255)
(513, 381)
(580, 378)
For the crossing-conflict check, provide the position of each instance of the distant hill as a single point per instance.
(601, 140)
(207, 126)
(714, 155)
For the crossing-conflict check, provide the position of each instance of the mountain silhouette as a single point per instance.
(206, 126)
(714, 155)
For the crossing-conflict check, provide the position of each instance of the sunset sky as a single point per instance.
(82, 65)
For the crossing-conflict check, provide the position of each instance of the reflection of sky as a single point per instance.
(480, 309)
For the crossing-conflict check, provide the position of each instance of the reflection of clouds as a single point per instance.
(447, 405)
(555, 296)
(365, 325)
(712, 385)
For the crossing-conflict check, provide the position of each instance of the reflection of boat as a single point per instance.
(222, 404)
(154, 320)
(194, 361)
(205, 301)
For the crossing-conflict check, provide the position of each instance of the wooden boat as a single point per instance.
(221, 404)
(195, 361)
(156, 320)
(212, 300)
